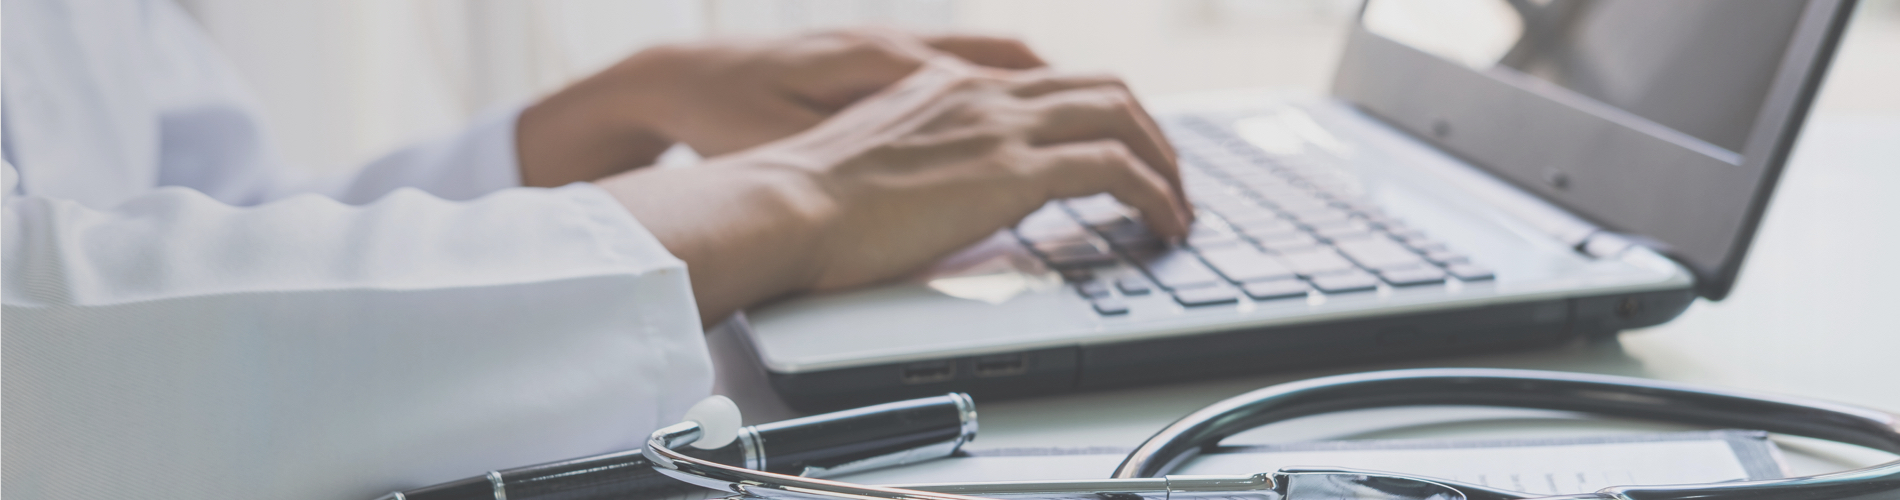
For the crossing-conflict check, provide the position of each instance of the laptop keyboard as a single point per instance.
(1268, 228)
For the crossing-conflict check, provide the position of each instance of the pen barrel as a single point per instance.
(621, 475)
(870, 437)
(829, 444)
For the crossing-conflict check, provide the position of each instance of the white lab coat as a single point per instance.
(182, 321)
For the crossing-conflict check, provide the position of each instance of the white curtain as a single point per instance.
(342, 81)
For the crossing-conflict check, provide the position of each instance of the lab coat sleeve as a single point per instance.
(474, 162)
(176, 346)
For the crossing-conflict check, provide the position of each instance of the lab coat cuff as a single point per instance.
(625, 237)
(495, 163)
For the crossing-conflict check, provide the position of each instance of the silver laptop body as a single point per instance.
(1424, 208)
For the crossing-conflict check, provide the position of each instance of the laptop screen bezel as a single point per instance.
(1695, 202)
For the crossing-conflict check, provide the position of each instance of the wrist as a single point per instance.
(747, 230)
(591, 129)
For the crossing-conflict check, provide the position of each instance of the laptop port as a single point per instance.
(927, 372)
(1002, 365)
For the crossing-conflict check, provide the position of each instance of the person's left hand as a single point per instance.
(725, 95)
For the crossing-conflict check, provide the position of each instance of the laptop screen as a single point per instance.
(1666, 121)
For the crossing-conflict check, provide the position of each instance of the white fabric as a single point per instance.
(182, 321)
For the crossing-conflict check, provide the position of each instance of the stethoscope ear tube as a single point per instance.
(1600, 394)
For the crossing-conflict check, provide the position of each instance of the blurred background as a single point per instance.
(343, 81)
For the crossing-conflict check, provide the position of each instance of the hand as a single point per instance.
(724, 96)
(925, 167)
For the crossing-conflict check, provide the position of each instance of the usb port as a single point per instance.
(927, 372)
(1002, 365)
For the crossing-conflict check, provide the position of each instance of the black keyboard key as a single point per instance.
(1092, 289)
(1175, 269)
(1380, 254)
(1132, 285)
(1276, 289)
(1109, 306)
(1244, 264)
(1316, 261)
(1206, 296)
(1414, 276)
(1080, 260)
(1470, 272)
(1065, 248)
(1128, 233)
(1077, 274)
(1354, 281)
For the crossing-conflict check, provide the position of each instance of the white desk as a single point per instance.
(1811, 316)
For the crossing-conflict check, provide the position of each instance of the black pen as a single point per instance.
(816, 446)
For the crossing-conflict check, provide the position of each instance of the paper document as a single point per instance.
(1541, 466)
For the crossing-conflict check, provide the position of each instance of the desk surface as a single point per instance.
(1810, 317)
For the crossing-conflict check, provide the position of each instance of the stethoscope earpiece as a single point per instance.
(718, 418)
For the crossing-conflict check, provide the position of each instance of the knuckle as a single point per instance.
(1112, 153)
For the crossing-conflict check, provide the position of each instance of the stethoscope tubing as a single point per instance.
(1600, 394)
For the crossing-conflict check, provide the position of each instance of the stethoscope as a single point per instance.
(1139, 477)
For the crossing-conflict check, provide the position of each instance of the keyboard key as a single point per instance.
(1092, 289)
(1133, 285)
(1244, 264)
(1127, 233)
(1414, 276)
(1207, 242)
(1470, 272)
(1049, 223)
(1109, 306)
(1205, 296)
(1176, 269)
(1290, 242)
(1065, 248)
(1316, 261)
(1380, 254)
(1275, 289)
(1324, 216)
(1348, 231)
(1095, 209)
(1406, 234)
(1263, 231)
(1446, 257)
(1354, 281)
(1258, 217)
(1077, 274)
(1080, 258)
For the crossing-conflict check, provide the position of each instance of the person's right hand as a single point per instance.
(932, 164)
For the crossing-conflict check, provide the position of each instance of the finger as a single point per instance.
(995, 52)
(1107, 112)
(1034, 83)
(1076, 169)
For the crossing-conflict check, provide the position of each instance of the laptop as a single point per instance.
(1589, 167)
